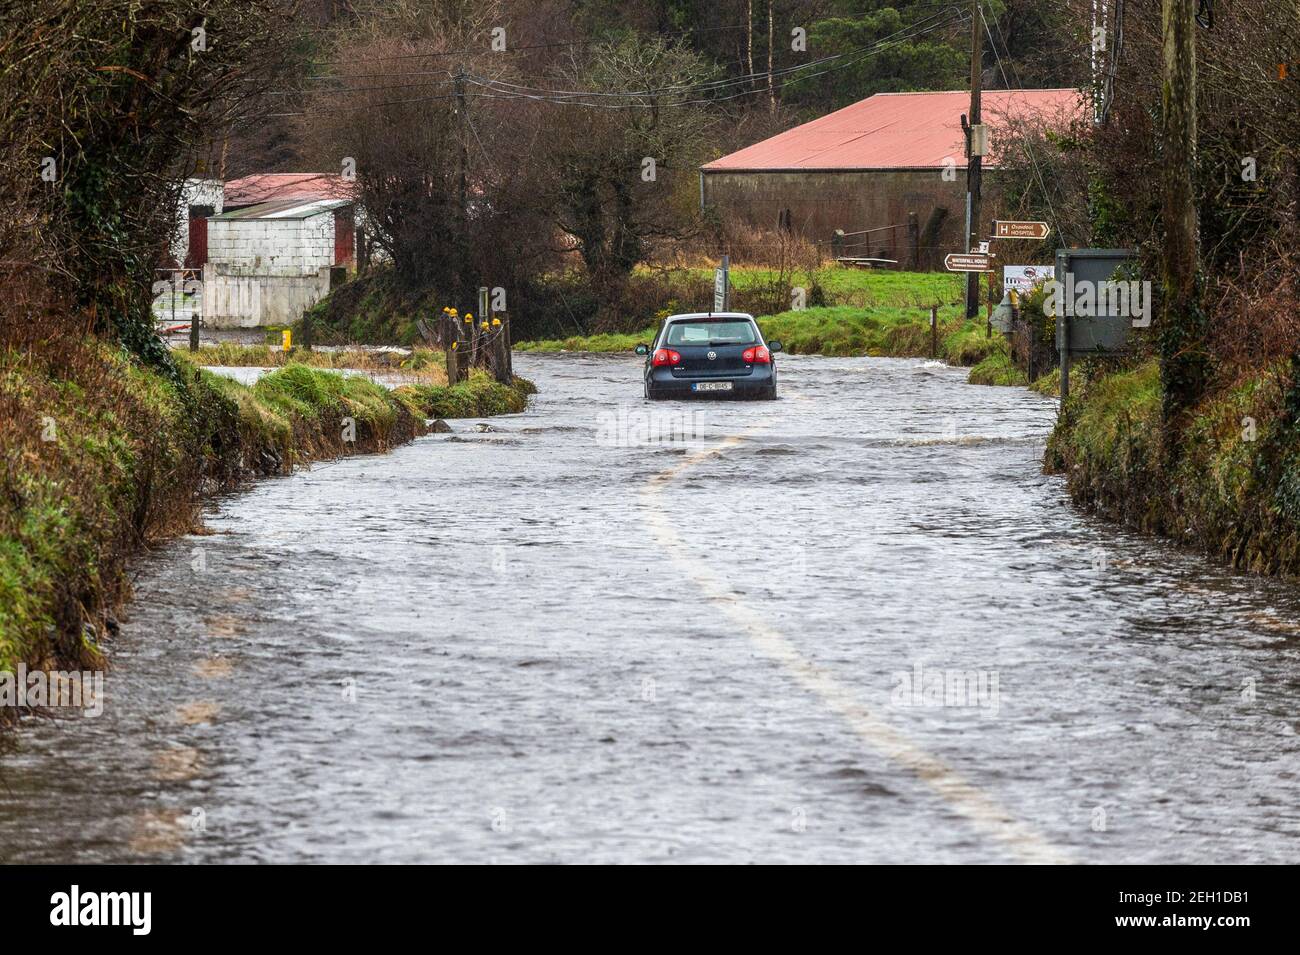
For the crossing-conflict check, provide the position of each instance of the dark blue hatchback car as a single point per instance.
(710, 355)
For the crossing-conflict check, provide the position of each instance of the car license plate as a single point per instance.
(711, 386)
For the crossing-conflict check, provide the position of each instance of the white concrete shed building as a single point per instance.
(199, 199)
(268, 262)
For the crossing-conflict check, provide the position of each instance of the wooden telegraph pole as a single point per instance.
(974, 151)
(1184, 361)
(462, 191)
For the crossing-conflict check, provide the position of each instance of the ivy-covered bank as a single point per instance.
(1230, 485)
(104, 455)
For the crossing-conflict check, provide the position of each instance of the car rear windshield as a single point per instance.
(710, 333)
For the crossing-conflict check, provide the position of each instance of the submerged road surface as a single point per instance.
(853, 625)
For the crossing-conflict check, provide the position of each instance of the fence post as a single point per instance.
(1063, 336)
(934, 331)
(988, 318)
(485, 325)
(450, 340)
(506, 343)
(1025, 318)
(467, 343)
(195, 318)
(500, 351)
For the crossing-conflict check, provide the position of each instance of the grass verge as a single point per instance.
(423, 363)
(1230, 486)
(997, 368)
(103, 456)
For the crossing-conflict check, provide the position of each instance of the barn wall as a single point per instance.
(821, 202)
(196, 192)
(272, 246)
(241, 300)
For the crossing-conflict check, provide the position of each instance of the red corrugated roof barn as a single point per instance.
(878, 164)
(275, 186)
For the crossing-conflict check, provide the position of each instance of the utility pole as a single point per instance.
(462, 198)
(749, 38)
(974, 152)
(771, 58)
(1183, 359)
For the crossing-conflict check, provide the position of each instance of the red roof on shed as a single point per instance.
(897, 131)
(269, 187)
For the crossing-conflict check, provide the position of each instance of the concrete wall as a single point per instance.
(821, 202)
(272, 246)
(195, 192)
(236, 299)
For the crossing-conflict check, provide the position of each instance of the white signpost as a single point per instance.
(968, 262)
(720, 279)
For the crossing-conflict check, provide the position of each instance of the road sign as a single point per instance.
(1024, 277)
(1008, 229)
(721, 276)
(968, 262)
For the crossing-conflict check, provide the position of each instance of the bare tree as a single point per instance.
(615, 169)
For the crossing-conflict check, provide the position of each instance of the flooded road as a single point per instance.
(853, 625)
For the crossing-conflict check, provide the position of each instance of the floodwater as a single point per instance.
(853, 625)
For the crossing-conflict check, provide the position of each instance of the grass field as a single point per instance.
(867, 313)
(849, 286)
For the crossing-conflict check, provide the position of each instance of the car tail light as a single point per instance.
(665, 356)
(758, 355)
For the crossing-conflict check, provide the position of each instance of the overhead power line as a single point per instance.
(479, 51)
(938, 7)
(498, 89)
(729, 81)
(1038, 173)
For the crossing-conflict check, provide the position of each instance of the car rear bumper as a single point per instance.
(759, 383)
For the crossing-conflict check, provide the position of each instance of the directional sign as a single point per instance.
(968, 262)
(1007, 229)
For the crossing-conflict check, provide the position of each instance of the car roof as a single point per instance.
(711, 316)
